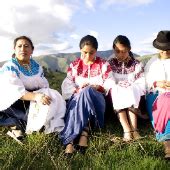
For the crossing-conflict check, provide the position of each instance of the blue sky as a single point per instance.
(58, 25)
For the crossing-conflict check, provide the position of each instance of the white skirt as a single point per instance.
(50, 116)
(124, 97)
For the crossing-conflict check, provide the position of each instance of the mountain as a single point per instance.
(59, 62)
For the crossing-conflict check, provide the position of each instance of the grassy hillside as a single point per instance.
(46, 151)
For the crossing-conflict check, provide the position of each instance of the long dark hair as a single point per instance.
(25, 38)
(124, 41)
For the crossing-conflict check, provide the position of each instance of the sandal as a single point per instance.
(127, 136)
(167, 149)
(82, 145)
(136, 135)
(69, 150)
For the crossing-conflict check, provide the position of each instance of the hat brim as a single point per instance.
(161, 46)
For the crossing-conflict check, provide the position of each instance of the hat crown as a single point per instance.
(163, 37)
(162, 41)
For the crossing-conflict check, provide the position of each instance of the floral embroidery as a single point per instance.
(33, 69)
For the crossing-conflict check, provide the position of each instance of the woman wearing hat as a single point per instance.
(157, 72)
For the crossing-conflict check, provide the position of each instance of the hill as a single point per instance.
(59, 62)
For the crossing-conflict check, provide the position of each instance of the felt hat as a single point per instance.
(162, 41)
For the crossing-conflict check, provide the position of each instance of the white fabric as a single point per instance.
(14, 84)
(124, 97)
(128, 90)
(13, 87)
(157, 69)
(68, 86)
(51, 116)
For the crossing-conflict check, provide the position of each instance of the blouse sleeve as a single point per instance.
(139, 82)
(108, 78)
(11, 87)
(68, 85)
(150, 74)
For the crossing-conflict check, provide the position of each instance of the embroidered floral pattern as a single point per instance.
(32, 70)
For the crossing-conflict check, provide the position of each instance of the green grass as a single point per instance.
(46, 151)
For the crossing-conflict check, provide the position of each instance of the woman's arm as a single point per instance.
(38, 97)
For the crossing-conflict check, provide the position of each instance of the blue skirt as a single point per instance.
(82, 108)
(150, 98)
(15, 115)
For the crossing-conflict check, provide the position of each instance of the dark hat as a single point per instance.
(162, 41)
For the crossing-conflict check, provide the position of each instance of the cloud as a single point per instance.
(90, 4)
(75, 36)
(94, 33)
(145, 46)
(42, 21)
(128, 2)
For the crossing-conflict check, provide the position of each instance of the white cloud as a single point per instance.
(94, 33)
(129, 2)
(90, 4)
(42, 21)
(75, 36)
(146, 46)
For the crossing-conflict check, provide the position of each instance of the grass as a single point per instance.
(46, 151)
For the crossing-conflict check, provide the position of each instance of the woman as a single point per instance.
(157, 72)
(22, 83)
(88, 78)
(130, 86)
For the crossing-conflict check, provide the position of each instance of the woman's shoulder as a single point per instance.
(153, 60)
(75, 62)
(9, 64)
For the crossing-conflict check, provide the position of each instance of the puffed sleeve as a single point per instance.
(139, 82)
(11, 87)
(108, 78)
(68, 85)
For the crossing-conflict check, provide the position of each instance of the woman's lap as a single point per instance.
(82, 107)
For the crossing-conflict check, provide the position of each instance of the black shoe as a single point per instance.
(81, 149)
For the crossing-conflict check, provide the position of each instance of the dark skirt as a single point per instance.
(87, 106)
(15, 115)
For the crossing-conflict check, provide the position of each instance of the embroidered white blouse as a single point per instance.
(130, 83)
(16, 80)
(157, 69)
(78, 74)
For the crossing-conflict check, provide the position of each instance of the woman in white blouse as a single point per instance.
(130, 86)
(157, 72)
(27, 103)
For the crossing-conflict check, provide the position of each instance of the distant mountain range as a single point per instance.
(60, 61)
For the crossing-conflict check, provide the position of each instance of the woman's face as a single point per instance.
(88, 53)
(23, 50)
(121, 52)
(164, 54)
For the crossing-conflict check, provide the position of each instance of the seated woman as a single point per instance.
(157, 72)
(22, 83)
(130, 86)
(88, 78)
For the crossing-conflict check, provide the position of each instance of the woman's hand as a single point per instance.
(98, 88)
(42, 98)
(161, 84)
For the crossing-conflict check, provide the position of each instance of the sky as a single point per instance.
(57, 26)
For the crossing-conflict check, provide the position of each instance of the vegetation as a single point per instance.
(46, 151)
